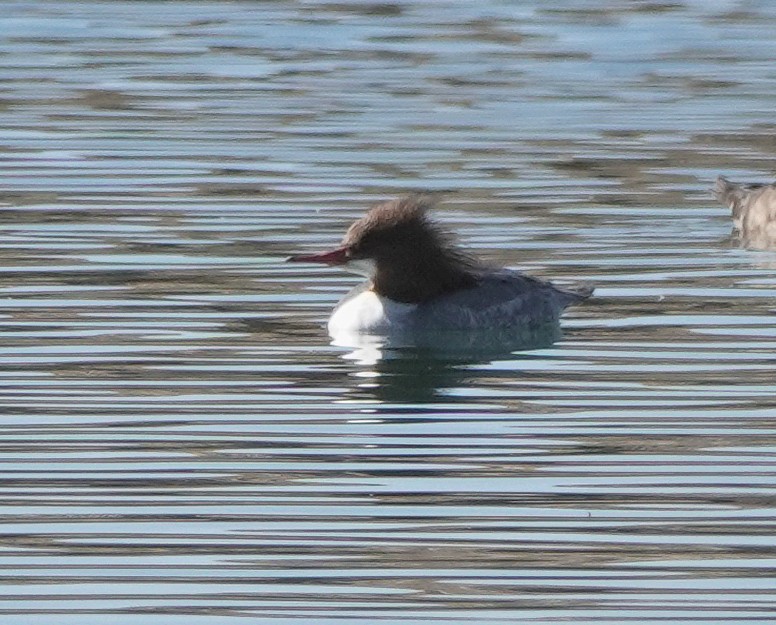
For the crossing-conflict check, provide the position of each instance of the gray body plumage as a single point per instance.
(501, 299)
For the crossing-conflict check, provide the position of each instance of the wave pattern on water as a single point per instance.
(180, 443)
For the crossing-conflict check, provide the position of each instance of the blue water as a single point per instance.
(180, 442)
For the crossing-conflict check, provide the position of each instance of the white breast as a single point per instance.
(368, 312)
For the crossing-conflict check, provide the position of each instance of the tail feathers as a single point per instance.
(726, 191)
(722, 186)
(575, 293)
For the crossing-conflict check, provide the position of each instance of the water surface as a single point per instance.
(180, 443)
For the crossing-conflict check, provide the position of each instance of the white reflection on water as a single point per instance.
(477, 346)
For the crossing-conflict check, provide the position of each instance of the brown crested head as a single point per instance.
(388, 226)
(414, 258)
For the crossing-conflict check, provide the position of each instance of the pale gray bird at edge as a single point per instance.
(419, 280)
(753, 208)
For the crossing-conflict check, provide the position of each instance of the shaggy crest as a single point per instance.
(416, 259)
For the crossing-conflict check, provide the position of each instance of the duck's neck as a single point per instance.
(412, 280)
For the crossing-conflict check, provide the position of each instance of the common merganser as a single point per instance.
(419, 281)
(753, 207)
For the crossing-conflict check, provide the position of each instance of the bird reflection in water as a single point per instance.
(419, 368)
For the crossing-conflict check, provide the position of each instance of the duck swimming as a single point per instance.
(418, 280)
